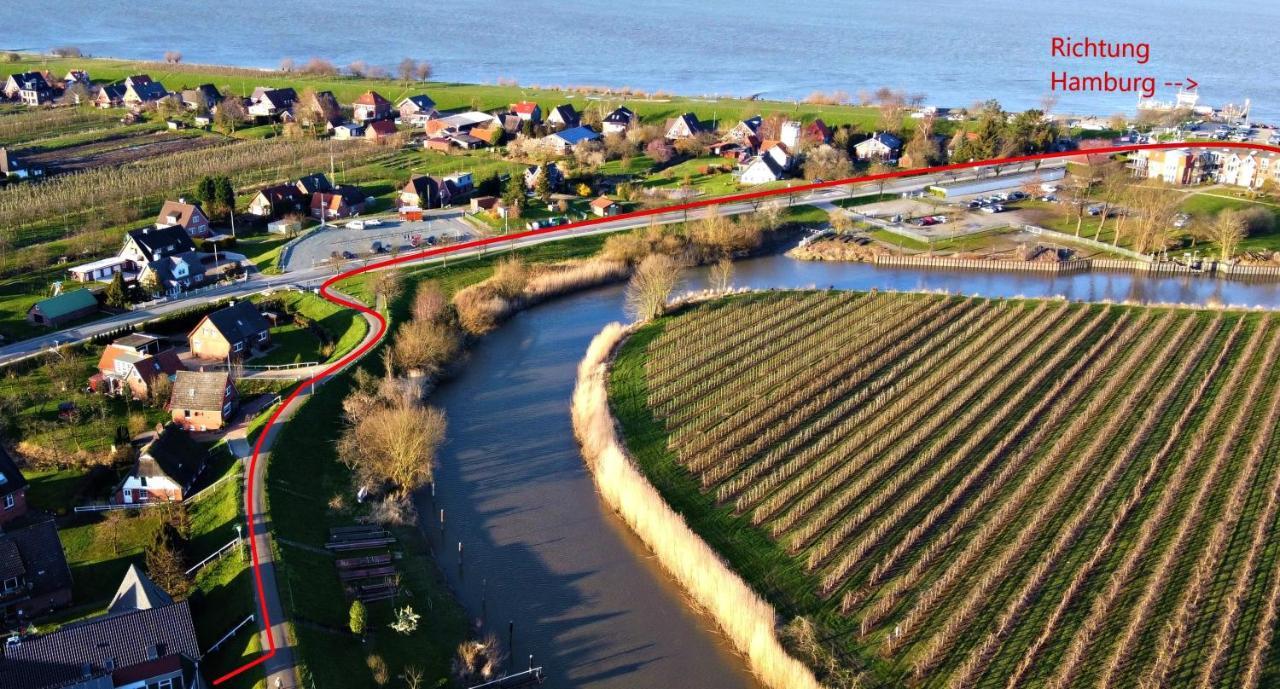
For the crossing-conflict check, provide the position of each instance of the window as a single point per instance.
(9, 502)
(11, 584)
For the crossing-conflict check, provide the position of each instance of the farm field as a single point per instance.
(965, 492)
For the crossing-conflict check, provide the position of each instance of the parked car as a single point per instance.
(993, 208)
(372, 222)
(348, 255)
(355, 225)
(377, 247)
(1017, 196)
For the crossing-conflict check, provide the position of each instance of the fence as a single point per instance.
(107, 506)
(217, 644)
(216, 554)
(1073, 266)
(1091, 243)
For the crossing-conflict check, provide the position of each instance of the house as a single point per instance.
(343, 202)
(232, 332)
(466, 141)
(880, 146)
(318, 108)
(527, 111)
(379, 130)
(272, 103)
(760, 170)
(188, 216)
(562, 142)
(779, 152)
(284, 227)
(76, 76)
(11, 165)
(484, 203)
(202, 400)
(31, 88)
(103, 270)
(134, 363)
(137, 80)
(683, 127)
(176, 273)
(533, 172)
(141, 92)
(349, 130)
(789, 133)
(314, 183)
(64, 308)
(416, 110)
(154, 243)
(618, 121)
(488, 135)
(13, 489)
(204, 97)
(441, 144)
(564, 117)
(34, 576)
(605, 206)
(144, 640)
(744, 131)
(276, 201)
(816, 133)
(1249, 170)
(424, 191)
(370, 106)
(511, 124)
(166, 469)
(110, 96)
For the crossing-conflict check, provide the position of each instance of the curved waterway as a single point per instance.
(540, 550)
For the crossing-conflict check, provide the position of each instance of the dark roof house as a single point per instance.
(137, 592)
(13, 489)
(154, 243)
(34, 576)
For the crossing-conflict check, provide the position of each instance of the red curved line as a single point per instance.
(487, 241)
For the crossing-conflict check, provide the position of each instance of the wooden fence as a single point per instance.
(1057, 267)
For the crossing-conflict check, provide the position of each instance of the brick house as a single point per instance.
(370, 106)
(230, 333)
(188, 216)
(134, 363)
(202, 400)
(343, 202)
(13, 489)
(34, 576)
(276, 201)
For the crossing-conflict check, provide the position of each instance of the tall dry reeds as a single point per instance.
(482, 306)
(747, 620)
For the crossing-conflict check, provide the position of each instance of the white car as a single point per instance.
(372, 222)
(355, 225)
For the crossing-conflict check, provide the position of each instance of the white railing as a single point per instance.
(216, 554)
(225, 637)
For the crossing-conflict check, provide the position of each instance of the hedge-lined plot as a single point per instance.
(983, 493)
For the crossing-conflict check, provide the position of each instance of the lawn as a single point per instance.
(263, 251)
(320, 331)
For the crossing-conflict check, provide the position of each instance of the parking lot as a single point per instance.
(389, 233)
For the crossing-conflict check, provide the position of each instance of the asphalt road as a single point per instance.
(312, 276)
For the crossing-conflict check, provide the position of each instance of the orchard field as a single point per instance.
(966, 492)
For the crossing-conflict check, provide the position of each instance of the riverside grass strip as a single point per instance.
(979, 493)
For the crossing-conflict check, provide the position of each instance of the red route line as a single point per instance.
(488, 241)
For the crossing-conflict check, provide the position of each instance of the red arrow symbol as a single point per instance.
(1192, 83)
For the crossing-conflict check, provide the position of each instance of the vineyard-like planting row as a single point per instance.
(982, 493)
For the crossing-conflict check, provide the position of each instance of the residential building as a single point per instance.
(110, 96)
(605, 206)
(760, 170)
(31, 88)
(276, 201)
(145, 640)
(424, 191)
(64, 308)
(34, 577)
(816, 133)
(166, 469)
(76, 76)
(745, 131)
(1248, 170)
(137, 80)
(173, 274)
(343, 202)
(313, 183)
(103, 270)
(202, 400)
(1172, 166)
(12, 166)
(527, 111)
(140, 92)
(790, 133)
(188, 216)
(318, 109)
(683, 127)
(232, 332)
(347, 130)
(379, 130)
(462, 122)
(272, 103)
(204, 97)
(154, 243)
(881, 146)
(554, 176)
(779, 152)
(13, 489)
(618, 121)
(562, 142)
(134, 363)
(370, 106)
(416, 110)
(564, 117)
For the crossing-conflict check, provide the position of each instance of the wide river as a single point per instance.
(954, 53)
(538, 547)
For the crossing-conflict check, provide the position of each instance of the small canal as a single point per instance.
(541, 554)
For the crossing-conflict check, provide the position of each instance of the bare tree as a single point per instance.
(423, 70)
(425, 346)
(394, 444)
(405, 70)
(413, 677)
(1227, 229)
(721, 274)
(429, 302)
(286, 64)
(651, 286)
(173, 57)
(358, 68)
(388, 285)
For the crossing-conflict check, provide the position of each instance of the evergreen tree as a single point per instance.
(542, 184)
(116, 296)
(225, 195)
(206, 191)
(358, 618)
(513, 198)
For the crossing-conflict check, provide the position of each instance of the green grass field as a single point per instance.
(978, 492)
